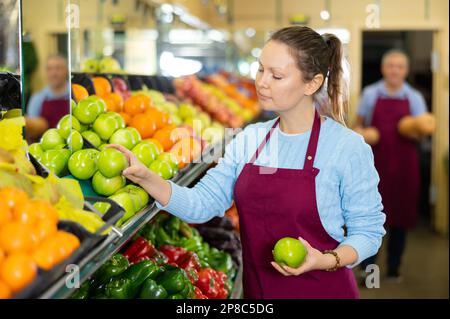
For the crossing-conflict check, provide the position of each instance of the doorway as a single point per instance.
(418, 45)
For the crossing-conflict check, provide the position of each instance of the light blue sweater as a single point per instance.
(346, 187)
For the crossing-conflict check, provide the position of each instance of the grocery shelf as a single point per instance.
(116, 239)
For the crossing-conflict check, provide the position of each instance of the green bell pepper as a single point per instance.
(162, 238)
(185, 229)
(174, 281)
(151, 290)
(149, 233)
(112, 268)
(118, 288)
(172, 227)
(220, 260)
(194, 244)
(176, 296)
(139, 272)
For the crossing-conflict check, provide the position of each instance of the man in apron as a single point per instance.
(48, 106)
(382, 106)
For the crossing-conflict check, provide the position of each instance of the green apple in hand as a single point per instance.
(146, 152)
(289, 251)
(107, 186)
(111, 162)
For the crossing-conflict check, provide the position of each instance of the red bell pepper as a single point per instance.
(140, 250)
(172, 252)
(198, 294)
(208, 283)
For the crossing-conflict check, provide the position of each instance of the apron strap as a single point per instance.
(312, 145)
(264, 142)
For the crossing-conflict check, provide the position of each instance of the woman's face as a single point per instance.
(279, 82)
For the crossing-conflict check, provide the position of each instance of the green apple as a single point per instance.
(124, 137)
(88, 110)
(125, 201)
(90, 66)
(205, 119)
(75, 141)
(186, 110)
(111, 162)
(109, 65)
(162, 168)
(176, 120)
(36, 150)
(119, 119)
(171, 159)
(52, 140)
(56, 160)
(105, 186)
(100, 102)
(156, 96)
(102, 207)
(83, 163)
(106, 124)
(289, 251)
(93, 138)
(66, 124)
(146, 152)
(136, 136)
(139, 196)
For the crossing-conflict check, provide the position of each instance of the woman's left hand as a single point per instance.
(314, 260)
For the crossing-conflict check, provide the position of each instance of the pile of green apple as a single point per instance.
(103, 65)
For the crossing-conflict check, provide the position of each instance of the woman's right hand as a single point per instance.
(136, 171)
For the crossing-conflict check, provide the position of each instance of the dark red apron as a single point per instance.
(281, 204)
(54, 110)
(397, 163)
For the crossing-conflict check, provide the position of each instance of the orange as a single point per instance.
(67, 243)
(5, 213)
(79, 92)
(44, 256)
(163, 136)
(126, 117)
(157, 143)
(114, 102)
(2, 256)
(134, 105)
(101, 85)
(12, 196)
(44, 228)
(5, 291)
(179, 133)
(44, 210)
(17, 271)
(25, 213)
(144, 124)
(158, 116)
(16, 236)
(148, 103)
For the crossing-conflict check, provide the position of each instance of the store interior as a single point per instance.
(193, 63)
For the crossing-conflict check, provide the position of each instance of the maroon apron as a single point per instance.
(397, 163)
(283, 204)
(54, 110)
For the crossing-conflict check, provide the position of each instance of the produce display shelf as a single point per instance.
(117, 238)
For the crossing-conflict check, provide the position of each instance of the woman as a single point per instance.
(309, 178)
